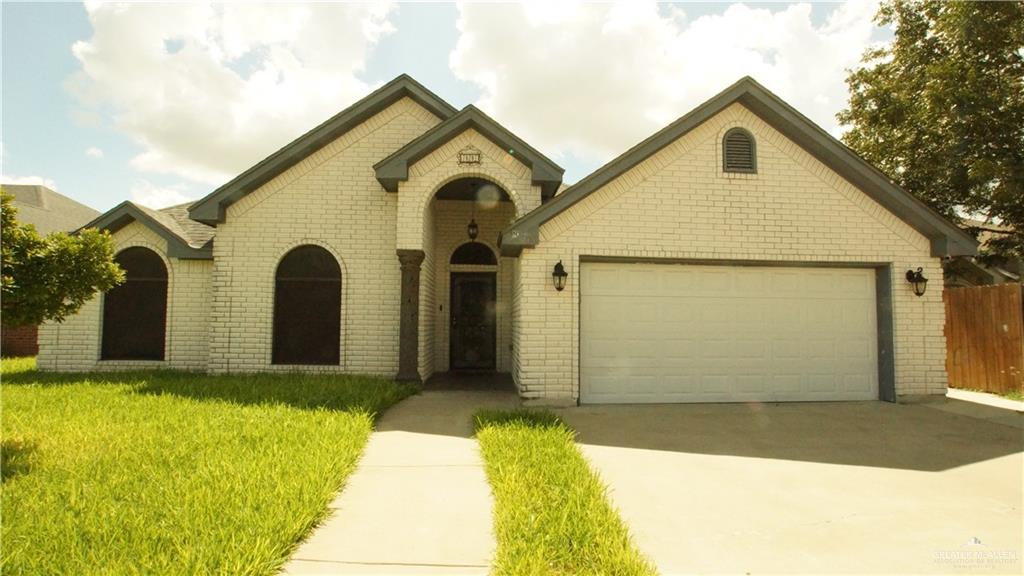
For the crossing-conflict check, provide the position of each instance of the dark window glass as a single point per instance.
(307, 308)
(473, 253)
(135, 313)
(739, 151)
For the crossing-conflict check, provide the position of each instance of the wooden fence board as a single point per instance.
(985, 337)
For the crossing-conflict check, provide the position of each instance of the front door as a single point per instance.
(472, 342)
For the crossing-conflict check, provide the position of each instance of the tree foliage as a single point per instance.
(941, 110)
(50, 278)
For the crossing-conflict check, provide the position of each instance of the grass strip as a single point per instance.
(552, 514)
(173, 473)
(1017, 395)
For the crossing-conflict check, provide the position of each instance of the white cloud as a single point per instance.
(94, 152)
(209, 89)
(15, 180)
(594, 79)
(38, 180)
(148, 194)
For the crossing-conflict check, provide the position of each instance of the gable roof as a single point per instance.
(211, 209)
(48, 211)
(395, 167)
(186, 238)
(946, 238)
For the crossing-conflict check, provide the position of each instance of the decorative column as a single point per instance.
(409, 327)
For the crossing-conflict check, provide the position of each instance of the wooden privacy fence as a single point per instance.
(985, 338)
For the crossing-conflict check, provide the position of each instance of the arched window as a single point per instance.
(474, 253)
(739, 151)
(307, 308)
(135, 313)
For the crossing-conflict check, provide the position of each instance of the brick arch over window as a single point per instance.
(307, 308)
(135, 313)
(474, 253)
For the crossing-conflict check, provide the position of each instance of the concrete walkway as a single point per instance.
(419, 502)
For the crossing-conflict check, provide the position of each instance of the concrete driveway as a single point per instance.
(812, 487)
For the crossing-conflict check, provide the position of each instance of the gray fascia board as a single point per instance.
(395, 167)
(945, 237)
(211, 209)
(125, 213)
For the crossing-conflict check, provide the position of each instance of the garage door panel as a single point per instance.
(677, 318)
(816, 349)
(750, 350)
(785, 284)
(818, 383)
(715, 383)
(713, 283)
(855, 349)
(678, 353)
(857, 318)
(750, 383)
(680, 333)
(675, 281)
(787, 348)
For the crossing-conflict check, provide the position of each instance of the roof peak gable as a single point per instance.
(945, 237)
(212, 208)
(160, 222)
(395, 168)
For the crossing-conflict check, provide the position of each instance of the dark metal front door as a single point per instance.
(472, 341)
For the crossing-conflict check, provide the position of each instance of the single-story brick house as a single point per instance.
(739, 254)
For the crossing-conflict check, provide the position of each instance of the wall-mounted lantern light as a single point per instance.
(472, 229)
(558, 276)
(920, 283)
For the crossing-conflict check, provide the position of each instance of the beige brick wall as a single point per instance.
(678, 204)
(75, 344)
(331, 199)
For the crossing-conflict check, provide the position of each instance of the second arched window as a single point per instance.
(307, 308)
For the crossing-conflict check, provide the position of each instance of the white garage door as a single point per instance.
(687, 333)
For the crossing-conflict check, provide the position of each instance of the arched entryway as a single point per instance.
(469, 327)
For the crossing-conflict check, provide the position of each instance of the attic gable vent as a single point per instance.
(739, 152)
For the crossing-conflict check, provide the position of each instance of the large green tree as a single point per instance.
(51, 277)
(941, 110)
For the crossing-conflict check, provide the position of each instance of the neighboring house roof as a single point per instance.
(211, 209)
(47, 210)
(974, 271)
(986, 230)
(946, 238)
(395, 168)
(186, 238)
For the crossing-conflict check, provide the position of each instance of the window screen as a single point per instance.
(307, 308)
(135, 313)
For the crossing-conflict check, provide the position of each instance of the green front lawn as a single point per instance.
(173, 473)
(551, 511)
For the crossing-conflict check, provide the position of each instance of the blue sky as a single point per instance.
(151, 104)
